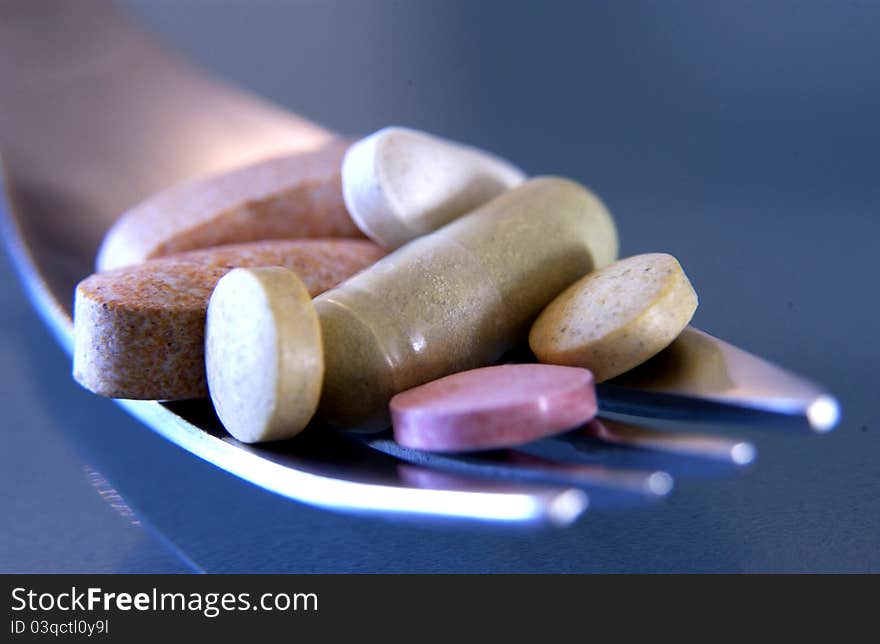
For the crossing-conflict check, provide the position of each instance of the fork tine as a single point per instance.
(524, 467)
(719, 448)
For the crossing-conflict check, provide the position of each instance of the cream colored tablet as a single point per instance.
(400, 184)
(263, 354)
(616, 318)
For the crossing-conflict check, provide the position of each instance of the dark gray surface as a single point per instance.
(742, 137)
(60, 513)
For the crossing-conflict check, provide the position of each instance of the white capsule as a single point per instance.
(400, 184)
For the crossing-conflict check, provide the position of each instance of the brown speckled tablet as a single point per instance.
(139, 331)
(297, 196)
(616, 318)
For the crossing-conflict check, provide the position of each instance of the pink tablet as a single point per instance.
(493, 407)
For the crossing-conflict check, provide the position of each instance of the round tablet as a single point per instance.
(263, 354)
(493, 407)
(615, 318)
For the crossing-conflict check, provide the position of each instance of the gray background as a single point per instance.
(740, 136)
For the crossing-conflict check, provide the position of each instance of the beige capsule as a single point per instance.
(263, 354)
(457, 298)
(616, 318)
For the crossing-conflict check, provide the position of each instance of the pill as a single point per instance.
(615, 319)
(139, 331)
(263, 354)
(296, 196)
(493, 407)
(400, 184)
(456, 299)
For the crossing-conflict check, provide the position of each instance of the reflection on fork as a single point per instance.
(604, 455)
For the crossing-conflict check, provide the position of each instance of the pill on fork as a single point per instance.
(458, 298)
(139, 330)
(616, 318)
(493, 407)
(263, 354)
(400, 184)
(288, 197)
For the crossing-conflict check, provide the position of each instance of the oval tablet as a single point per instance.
(493, 407)
(616, 318)
(400, 183)
(288, 197)
(263, 354)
